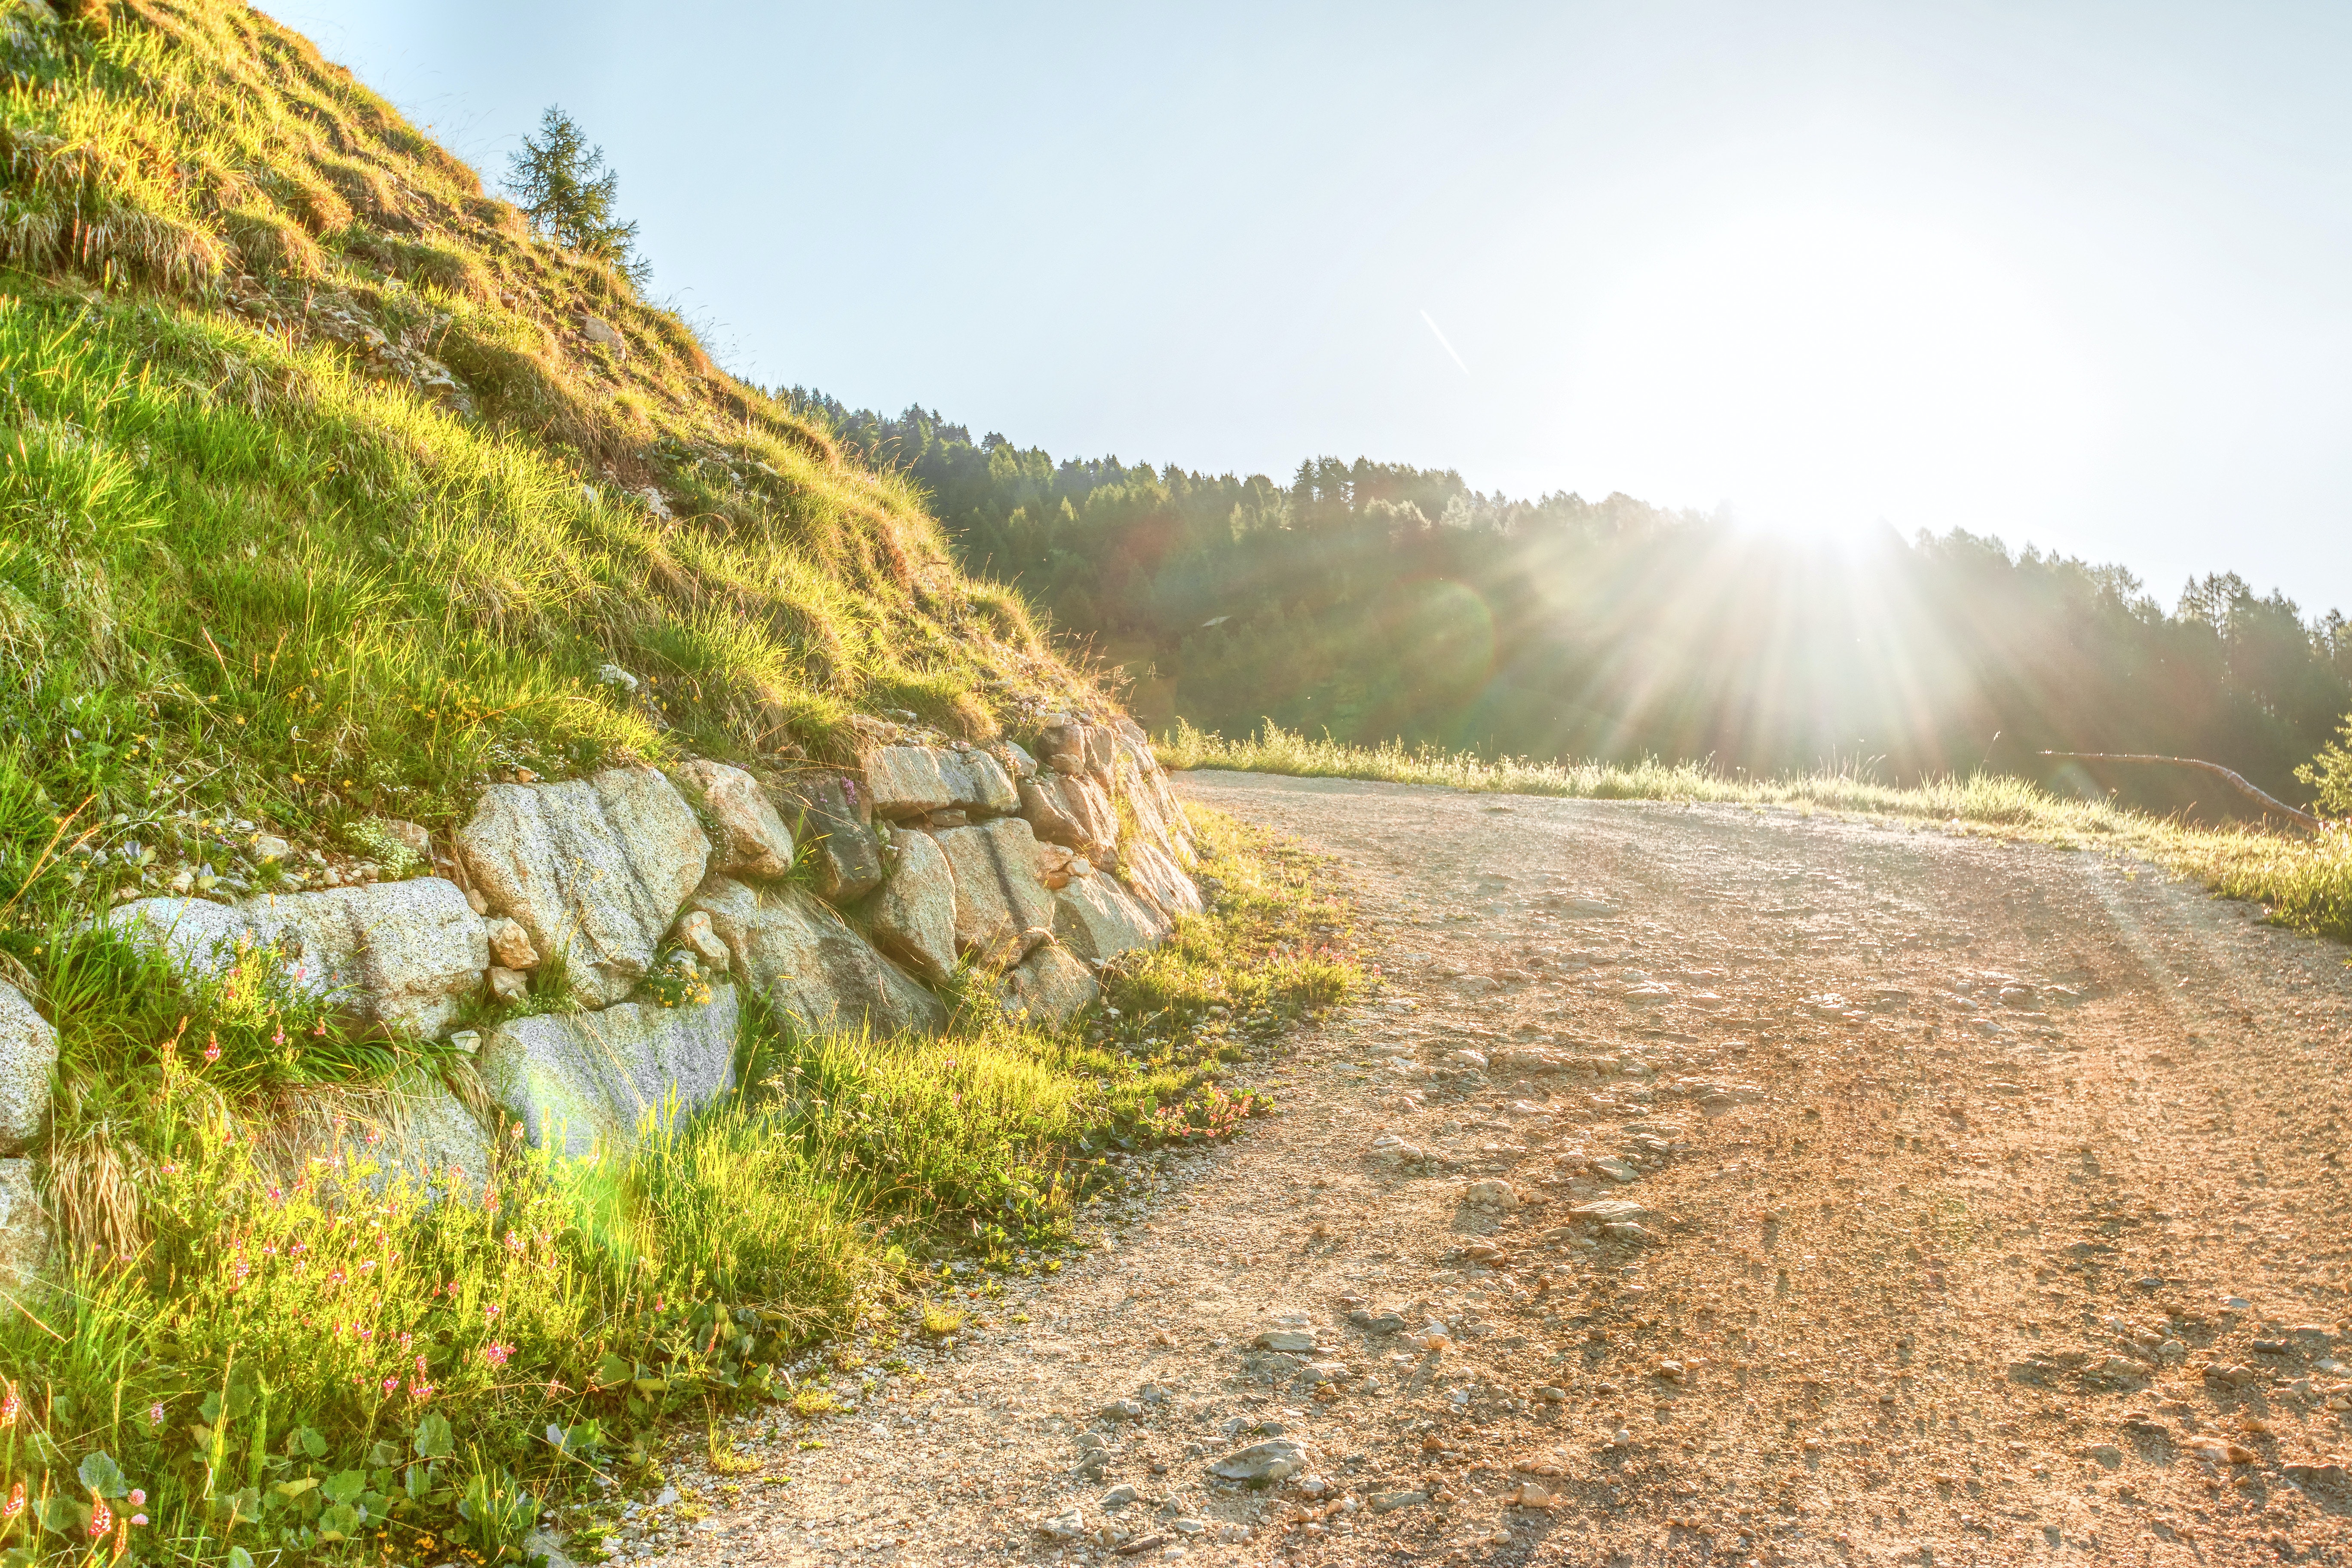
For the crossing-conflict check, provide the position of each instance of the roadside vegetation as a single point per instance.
(2305, 880)
(265, 1348)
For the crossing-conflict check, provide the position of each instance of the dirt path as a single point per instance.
(1990, 1210)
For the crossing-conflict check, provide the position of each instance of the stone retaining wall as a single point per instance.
(841, 897)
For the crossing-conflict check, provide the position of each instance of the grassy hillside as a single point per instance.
(329, 496)
(323, 499)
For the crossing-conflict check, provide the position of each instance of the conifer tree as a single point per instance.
(564, 188)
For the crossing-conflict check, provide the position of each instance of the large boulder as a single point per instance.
(909, 782)
(1097, 920)
(1050, 986)
(1155, 877)
(589, 1082)
(1072, 746)
(980, 782)
(1047, 813)
(833, 813)
(404, 955)
(903, 781)
(24, 1224)
(810, 965)
(401, 955)
(28, 1061)
(594, 868)
(1072, 812)
(912, 918)
(999, 899)
(753, 839)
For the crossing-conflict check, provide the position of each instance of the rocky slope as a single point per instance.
(843, 899)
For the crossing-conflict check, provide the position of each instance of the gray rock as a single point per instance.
(1155, 877)
(1096, 818)
(401, 955)
(1275, 1460)
(1616, 1170)
(913, 918)
(999, 898)
(594, 868)
(978, 781)
(1017, 761)
(546, 1543)
(583, 1082)
(1097, 920)
(506, 986)
(1389, 1502)
(605, 335)
(24, 1224)
(404, 955)
(1610, 1211)
(1050, 986)
(811, 966)
(832, 811)
(753, 839)
(908, 782)
(1046, 809)
(1297, 1342)
(28, 1061)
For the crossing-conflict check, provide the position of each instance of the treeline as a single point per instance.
(1380, 601)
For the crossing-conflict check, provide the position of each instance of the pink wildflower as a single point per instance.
(499, 1354)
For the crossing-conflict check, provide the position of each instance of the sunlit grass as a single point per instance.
(2305, 880)
(287, 1353)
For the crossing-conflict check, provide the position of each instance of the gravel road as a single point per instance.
(1975, 1203)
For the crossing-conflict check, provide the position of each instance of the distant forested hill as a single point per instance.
(1379, 601)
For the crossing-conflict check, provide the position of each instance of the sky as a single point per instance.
(2074, 275)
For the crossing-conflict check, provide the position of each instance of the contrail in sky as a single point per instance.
(1442, 342)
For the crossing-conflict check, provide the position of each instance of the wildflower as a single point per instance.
(154, 1416)
(279, 1038)
(367, 1265)
(374, 1134)
(10, 1408)
(140, 1520)
(170, 1170)
(16, 1501)
(420, 1392)
(276, 1194)
(212, 1048)
(319, 1032)
(514, 1242)
(497, 1353)
(138, 1500)
(102, 1518)
(391, 1384)
(490, 1313)
(405, 1340)
(335, 1277)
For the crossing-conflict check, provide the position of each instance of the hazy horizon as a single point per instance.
(2069, 275)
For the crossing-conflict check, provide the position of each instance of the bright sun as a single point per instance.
(1817, 361)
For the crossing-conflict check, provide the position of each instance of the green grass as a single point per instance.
(258, 572)
(2305, 881)
(286, 1354)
